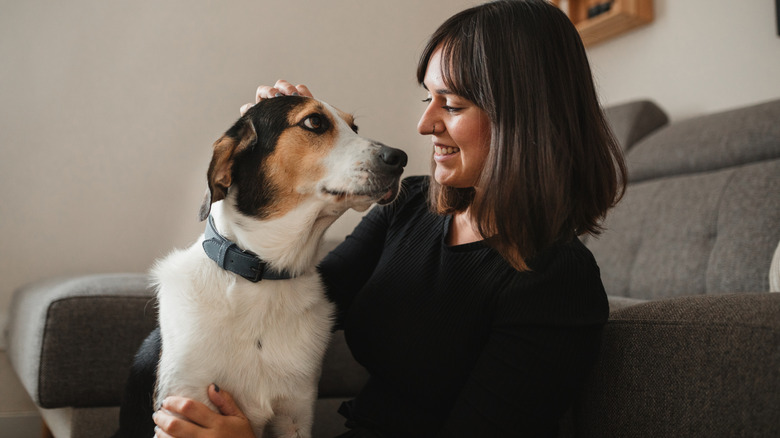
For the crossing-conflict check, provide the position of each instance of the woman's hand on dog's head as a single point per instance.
(183, 417)
(280, 88)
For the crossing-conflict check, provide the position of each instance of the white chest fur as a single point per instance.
(263, 342)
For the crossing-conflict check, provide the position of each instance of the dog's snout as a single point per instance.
(392, 159)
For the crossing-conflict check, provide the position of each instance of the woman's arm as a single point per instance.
(346, 269)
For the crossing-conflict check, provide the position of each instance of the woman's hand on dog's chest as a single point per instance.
(230, 422)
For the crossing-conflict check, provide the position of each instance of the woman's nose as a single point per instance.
(426, 123)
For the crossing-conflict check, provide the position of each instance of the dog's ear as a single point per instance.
(220, 175)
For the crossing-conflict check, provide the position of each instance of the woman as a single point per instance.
(470, 300)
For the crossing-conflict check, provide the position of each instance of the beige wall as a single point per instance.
(109, 109)
(698, 56)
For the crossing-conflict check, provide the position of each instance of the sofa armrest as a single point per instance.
(72, 340)
(704, 365)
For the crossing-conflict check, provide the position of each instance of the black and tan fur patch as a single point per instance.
(272, 156)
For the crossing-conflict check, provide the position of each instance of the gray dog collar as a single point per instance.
(232, 258)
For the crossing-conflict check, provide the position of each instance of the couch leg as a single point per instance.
(45, 432)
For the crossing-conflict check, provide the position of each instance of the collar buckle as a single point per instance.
(258, 272)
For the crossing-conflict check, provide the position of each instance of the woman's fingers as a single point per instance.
(303, 90)
(224, 402)
(285, 88)
(194, 411)
(169, 425)
(245, 107)
(280, 88)
(265, 92)
(159, 433)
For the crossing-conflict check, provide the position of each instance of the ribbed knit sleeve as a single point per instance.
(346, 268)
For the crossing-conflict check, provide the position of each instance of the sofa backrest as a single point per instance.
(633, 121)
(701, 214)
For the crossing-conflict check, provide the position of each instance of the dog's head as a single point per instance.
(287, 149)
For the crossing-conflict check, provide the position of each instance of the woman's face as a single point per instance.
(461, 138)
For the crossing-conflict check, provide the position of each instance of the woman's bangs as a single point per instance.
(455, 62)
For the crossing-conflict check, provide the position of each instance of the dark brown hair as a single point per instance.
(554, 167)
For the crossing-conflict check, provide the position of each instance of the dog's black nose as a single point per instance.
(392, 158)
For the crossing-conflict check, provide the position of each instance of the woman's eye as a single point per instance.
(448, 108)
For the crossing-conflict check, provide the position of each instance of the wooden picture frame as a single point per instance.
(618, 17)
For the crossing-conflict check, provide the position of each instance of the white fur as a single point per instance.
(212, 320)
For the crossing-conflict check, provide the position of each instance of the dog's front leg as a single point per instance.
(294, 418)
(259, 412)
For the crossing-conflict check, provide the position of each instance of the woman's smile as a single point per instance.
(441, 151)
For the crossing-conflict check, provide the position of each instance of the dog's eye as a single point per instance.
(315, 123)
(355, 128)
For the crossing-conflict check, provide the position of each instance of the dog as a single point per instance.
(244, 306)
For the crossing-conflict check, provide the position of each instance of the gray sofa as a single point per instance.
(692, 347)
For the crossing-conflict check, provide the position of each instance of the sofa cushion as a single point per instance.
(708, 143)
(706, 233)
(632, 121)
(701, 366)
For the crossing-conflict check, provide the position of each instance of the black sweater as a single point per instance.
(457, 342)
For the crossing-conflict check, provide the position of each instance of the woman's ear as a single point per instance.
(220, 173)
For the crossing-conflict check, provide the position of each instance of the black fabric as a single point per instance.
(456, 341)
(135, 413)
